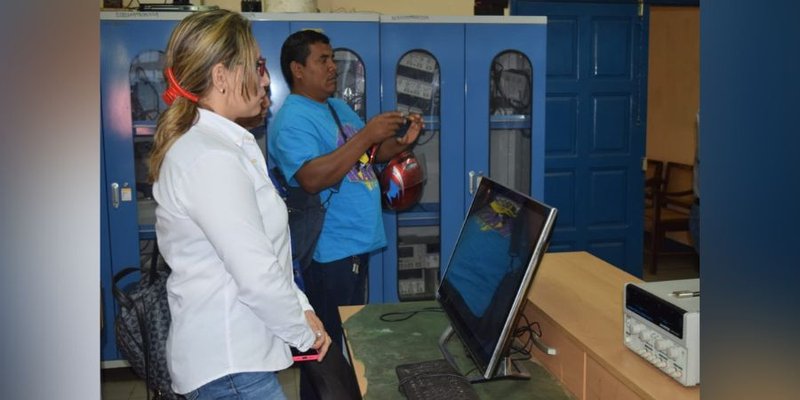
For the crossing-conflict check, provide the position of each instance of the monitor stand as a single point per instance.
(506, 368)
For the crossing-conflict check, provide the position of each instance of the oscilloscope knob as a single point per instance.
(674, 352)
(663, 344)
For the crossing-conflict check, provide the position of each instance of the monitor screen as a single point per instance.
(504, 235)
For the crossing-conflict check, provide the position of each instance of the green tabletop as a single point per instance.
(383, 345)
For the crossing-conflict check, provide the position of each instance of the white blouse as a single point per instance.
(223, 229)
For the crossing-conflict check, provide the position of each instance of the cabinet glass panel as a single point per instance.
(417, 88)
(510, 89)
(147, 83)
(350, 82)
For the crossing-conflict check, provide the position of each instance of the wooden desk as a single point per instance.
(577, 300)
(376, 347)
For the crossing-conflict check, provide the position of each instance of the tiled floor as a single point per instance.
(122, 384)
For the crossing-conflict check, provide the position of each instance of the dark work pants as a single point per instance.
(328, 286)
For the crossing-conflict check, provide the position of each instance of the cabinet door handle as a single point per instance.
(474, 180)
(115, 195)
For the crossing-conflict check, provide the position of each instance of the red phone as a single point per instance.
(310, 355)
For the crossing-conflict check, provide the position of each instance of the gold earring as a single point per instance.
(222, 90)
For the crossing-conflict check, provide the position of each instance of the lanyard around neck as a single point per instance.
(373, 150)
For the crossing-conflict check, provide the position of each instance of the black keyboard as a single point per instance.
(433, 380)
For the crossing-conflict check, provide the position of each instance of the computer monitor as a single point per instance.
(502, 240)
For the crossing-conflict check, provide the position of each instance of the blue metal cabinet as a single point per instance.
(442, 67)
(505, 82)
(422, 70)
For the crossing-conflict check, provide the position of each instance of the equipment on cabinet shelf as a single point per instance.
(417, 83)
(418, 265)
(661, 323)
(416, 252)
(510, 84)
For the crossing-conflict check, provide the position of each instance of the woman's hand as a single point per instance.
(323, 340)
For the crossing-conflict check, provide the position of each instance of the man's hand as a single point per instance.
(327, 170)
(383, 126)
(414, 128)
(395, 145)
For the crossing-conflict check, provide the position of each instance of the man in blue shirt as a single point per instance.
(322, 146)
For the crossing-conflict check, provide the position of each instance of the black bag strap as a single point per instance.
(119, 294)
(291, 194)
(334, 189)
(338, 122)
(287, 190)
(345, 138)
(154, 263)
(151, 274)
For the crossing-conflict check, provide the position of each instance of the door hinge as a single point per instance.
(641, 8)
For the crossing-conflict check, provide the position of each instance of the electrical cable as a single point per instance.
(526, 329)
(404, 315)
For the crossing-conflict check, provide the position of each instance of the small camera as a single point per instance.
(403, 129)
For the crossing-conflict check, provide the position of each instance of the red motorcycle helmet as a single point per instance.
(402, 181)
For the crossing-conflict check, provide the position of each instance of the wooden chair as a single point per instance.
(653, 179)
(671, 203)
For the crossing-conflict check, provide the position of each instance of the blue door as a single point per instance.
(422, 71)
(595, 128)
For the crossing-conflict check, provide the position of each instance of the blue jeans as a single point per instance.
(240, 386)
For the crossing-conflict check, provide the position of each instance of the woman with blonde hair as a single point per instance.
(220, 223)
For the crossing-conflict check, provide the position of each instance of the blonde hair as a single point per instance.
(199, 42)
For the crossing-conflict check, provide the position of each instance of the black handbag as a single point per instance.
(306, 216)
(142, 325)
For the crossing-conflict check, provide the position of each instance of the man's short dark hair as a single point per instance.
(296, 47)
